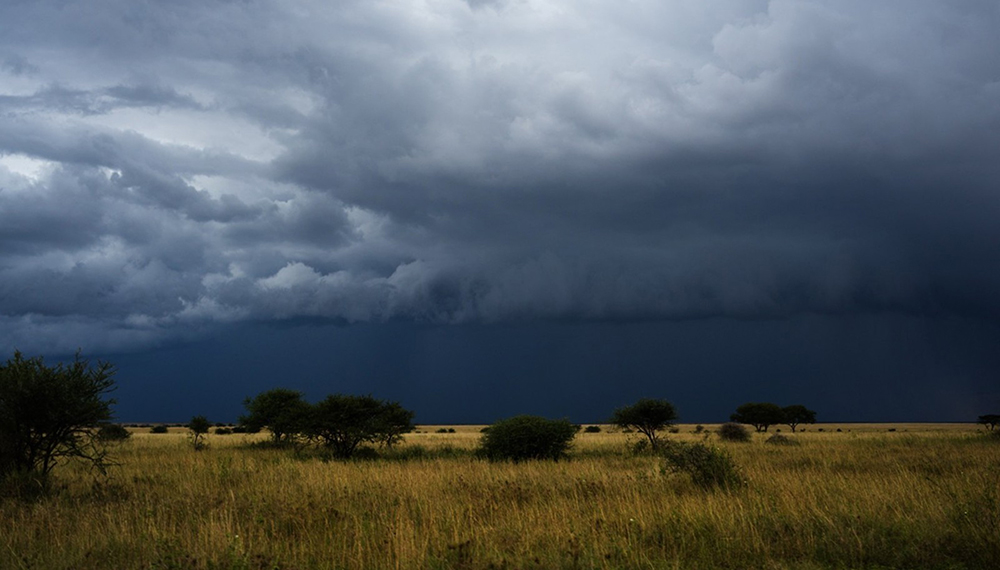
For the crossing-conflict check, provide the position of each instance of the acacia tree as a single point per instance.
(991, 421)
(646, 416)
(792, 416)
(342, 422)
(391, 423)
(48, 413)
(760, 415)
(282, 411)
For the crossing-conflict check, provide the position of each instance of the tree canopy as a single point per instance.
(343, 422)
(760, 415)
(990, 421)
(282, 411)
(48, 413)
(646, 416)
(198, 426)
(797, 414)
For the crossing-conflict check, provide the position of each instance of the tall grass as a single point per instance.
(860, 499)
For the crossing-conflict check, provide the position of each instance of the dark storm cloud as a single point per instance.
(167, 166)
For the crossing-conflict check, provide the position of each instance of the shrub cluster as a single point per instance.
(732, 431)
(709, 467)
(342, 424)
(778, 439)
(113, 432)
(527, 437)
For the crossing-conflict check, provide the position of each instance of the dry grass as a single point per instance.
(926, 497)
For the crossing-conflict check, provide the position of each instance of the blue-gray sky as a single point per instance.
(487, 207)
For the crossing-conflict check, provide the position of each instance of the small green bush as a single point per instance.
(778, 439)
(113, 432)
(442, 430)
(641, 447)
(709, 467)
(223, 431)
(592, 429)
(158, 429)
(732, 431)
(527, 437)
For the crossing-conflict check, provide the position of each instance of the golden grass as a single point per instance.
(925, 497)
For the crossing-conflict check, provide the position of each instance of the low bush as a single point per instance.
(732, 431)
(641, 447)
(527, 437)
(778, 439)
(113, 432)
(592, 429)
(223, 431)
(709, 467)
(158, 429)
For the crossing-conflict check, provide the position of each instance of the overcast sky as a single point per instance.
(175, 175)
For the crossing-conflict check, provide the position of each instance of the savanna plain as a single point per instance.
(849, 496)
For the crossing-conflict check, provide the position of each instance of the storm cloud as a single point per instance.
(169, 167)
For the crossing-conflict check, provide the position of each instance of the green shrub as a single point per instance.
(709, 467)
(641, 447)
(592, 429)
(223, 431)
(113, 432)
(441, 430)
(732, 431)
(158, 429)
(527, 437)
(778, 439)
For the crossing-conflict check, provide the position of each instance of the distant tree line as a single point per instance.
(762, 415)
(52, 413)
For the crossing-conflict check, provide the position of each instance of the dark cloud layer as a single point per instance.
(167, 168)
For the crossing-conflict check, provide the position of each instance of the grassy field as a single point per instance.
(922, 496)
